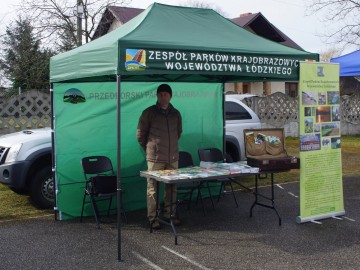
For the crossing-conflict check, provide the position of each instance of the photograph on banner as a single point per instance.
(321, 192)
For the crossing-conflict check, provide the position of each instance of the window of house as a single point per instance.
(291, 89)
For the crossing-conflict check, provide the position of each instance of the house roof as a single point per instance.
(253, 22)
(258, 24)
(121, 14)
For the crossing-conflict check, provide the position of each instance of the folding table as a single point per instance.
(189, 174)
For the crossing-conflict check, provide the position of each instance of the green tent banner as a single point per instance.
(321, 190)
(85, 125)
(150, 61)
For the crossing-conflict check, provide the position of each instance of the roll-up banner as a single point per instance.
(321, 190)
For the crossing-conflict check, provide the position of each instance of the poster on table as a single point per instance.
(321, 191)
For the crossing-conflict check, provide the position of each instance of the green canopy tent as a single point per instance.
(180, 44)
(195, 50)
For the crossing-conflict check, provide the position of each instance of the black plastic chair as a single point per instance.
(187, 189)
(185, 159)
(100, 185)
(216, 155)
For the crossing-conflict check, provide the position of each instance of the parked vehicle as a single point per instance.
(25, 156)
(238, 117)
(25, 165)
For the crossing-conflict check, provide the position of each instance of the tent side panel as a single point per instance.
(86, 125)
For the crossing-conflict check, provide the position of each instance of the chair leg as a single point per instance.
(97, 217)
(123, 214)
(222, 186)
(233, 193)
(190, 197)
(82, 208)
(122, 211)
(198, 195)
(202, 202)
(108, 212)
(208, 187)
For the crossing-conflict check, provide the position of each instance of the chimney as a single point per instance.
(245, 14)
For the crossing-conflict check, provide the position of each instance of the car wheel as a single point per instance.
(42, 188)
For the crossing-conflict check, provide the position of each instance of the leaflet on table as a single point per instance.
(233, 168)
(199, 172)
(244, 166)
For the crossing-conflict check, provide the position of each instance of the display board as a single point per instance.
(321, 191)
(85, 125)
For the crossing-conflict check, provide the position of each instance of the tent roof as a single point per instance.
(349, 64)
(178, 29)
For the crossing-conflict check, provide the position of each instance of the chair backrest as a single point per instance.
(103, 184)
(211, 155)
(185, 159)
(98, 171)
(96, 165)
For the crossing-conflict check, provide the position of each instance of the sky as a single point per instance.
(287, 15)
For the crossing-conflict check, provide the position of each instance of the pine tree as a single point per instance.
(24, 63)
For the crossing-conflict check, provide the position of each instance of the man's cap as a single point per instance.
(164, 88)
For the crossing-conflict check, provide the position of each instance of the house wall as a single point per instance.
(229, 87)
(277, 87)
(115, 24)
(256, 88)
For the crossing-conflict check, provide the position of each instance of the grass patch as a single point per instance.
(14, 206)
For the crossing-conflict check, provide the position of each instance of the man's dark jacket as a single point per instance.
(158, 133)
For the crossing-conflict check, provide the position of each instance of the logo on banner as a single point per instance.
(135, 59)
(74, 96)
(320, 71)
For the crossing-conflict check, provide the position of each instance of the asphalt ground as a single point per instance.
(224, 238)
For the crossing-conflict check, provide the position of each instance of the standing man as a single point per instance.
(158, 133)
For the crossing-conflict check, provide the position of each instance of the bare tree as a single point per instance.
(343, 19)
(56, 20)
(326, 55)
